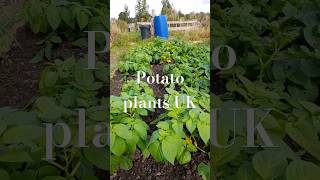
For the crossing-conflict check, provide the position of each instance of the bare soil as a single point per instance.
(149, 169)
(18, 77)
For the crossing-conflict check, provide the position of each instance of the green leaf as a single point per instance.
(119, 146)
(169, 148)
(191, 148)
(204, 117)
(142, 112)
(112, 139)
(185, 157)
(204, 131)
(193, 113)
(302, 170)
(20, 118)
(247, 172)
(126, 163)
(278, 71)
(21, 134)
(97, 156)
(4, 175)
(3, 127)
(141, 130)
(311, 37)
(84, 77)
(191, 125)
(47, 170)
(99, 115)
(38, 57)
(35, 13)
(269, 164)
(290, 10)
(53, 16)
(50, 78)
(310, 67)
(82, 19)
(301, 135)
(82, 42)
(311, 107)
(15, 156)
(204, 171)
(155, 151)
(47, 108)
(67, 16)
(56, 39)
(224, 155)
(25, 174)
(163, 125)
(122, 131)
(178, 128)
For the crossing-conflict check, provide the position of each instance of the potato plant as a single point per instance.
(64, 87)
(277, 58)
(64, 19)
(180, 131)
(127, 130)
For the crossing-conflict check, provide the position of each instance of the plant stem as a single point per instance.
(60, 167)
(75, 169)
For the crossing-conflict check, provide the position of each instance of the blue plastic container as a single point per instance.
(161, 27)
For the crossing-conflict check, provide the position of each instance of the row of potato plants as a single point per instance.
(180, 131)
(277, 46)
(65, 86)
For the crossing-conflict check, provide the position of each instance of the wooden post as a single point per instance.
(153, 13)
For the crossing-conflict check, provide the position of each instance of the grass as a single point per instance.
(201, 35)
(119, 45)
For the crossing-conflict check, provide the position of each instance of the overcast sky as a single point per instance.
(186, 6)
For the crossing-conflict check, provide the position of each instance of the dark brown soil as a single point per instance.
(158, 90)
(116, 84)
(18, 77)
(66, 50)
(217, 85)
(149, 169)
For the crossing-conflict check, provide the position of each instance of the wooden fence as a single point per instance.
(173, 25)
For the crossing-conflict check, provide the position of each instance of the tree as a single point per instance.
(180, 15)
(142, 13)
(167, 9)
(166, 6)
(125, 15)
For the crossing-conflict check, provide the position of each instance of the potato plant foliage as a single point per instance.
(277, 46)
(65, 86)
(59, 19)
(179, 131)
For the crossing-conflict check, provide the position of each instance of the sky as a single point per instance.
(186, 6)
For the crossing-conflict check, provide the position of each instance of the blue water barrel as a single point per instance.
(161, 27)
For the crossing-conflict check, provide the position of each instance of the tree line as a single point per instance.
(142, 13)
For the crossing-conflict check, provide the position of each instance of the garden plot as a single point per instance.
(160, 138)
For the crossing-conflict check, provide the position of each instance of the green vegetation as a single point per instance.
(22, 132)
(65, 86)
(278, 67)
(180, 131)
(65, 20)
(10, 19)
